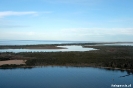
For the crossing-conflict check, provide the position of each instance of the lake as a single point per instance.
(69, 48)
(63, 77)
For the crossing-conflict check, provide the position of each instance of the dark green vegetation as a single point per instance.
(10, 66)
(106, 56)
(13, 66)
(4, 58)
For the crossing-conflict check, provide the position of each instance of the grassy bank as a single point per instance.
(106, 56)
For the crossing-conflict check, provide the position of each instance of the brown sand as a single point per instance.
(16, 62)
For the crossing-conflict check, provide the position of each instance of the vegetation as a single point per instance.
(4, 58)
(11, 66)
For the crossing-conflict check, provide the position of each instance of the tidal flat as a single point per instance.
(105, 56)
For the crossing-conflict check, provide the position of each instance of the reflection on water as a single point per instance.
(128, 72)
(62, 77)
(69, 48)
(126, 75)
(13, 68)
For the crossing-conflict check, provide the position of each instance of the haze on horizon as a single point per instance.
(74, 20)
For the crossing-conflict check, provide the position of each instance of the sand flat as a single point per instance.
(9, 62)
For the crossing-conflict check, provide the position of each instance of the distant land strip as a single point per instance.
(106, 56)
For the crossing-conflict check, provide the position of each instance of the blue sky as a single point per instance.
(76, 20)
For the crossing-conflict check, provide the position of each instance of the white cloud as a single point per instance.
(82, 34)
(13, 13)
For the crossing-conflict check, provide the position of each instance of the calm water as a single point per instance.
(63, 77)
(69, 48)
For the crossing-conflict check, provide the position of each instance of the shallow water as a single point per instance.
(63, 77)
(69, 48)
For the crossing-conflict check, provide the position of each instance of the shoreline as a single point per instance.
(14, 66)
(22, 64)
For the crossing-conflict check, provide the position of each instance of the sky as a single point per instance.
(73, 20)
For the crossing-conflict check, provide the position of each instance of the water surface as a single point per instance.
(68, 48)
(63, 77)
